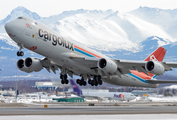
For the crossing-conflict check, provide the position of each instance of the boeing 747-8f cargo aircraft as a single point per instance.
(73, 58)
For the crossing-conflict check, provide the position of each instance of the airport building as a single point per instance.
(7, 93)
(140, 92)
(73, 99)
(50, 85)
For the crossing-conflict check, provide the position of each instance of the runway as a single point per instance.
(93, 117)
(89, 110)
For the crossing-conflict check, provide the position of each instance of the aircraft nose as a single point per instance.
(8, 27)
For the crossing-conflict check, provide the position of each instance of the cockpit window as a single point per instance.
(20, 18)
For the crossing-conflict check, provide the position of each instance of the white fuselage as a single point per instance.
(40, 39)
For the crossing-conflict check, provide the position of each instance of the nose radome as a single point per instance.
(8, 27)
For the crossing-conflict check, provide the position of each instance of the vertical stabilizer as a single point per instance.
(157, 55)
(76, 89)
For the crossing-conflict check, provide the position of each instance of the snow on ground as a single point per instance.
(49, 99)
(94, 117)
(163, 99)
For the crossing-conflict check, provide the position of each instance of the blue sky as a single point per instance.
(46, 8)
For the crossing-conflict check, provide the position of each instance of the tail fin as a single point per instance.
(157, 55)
(76, 89)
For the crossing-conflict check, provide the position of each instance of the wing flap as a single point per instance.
(171, 64)
(128, 63)
(50, 65)
(90, 62)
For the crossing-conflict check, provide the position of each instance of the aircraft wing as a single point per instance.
(90, 62)
(171, 64)
(124, 65)
(160, 81)
(140, 65)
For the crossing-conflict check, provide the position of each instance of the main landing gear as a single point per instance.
(20, 53)
(81, 82)
(64, 79)
(96, 81)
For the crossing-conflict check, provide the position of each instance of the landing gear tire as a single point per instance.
(100, 82)
(95, 77)
(61, 76)
(89, 81)
(92, 83)
(96, 81)
(67, 81)
(77, 81)
(99, 77)
(64, 79)
(62, 82)
(85, 83)
(81, 82)
(20, 53)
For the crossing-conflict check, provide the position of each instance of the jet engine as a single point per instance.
(107, 65)
(21, 66)
(155, 67)
(29, 65)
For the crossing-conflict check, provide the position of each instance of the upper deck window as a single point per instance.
(35, 23)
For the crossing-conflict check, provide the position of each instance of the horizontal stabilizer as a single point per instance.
(160, 81)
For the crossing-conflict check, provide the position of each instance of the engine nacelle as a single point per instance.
(21, 66)
(33, 64)
(155, 67)
(107, 65)
(29, 65)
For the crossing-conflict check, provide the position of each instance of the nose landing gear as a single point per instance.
(20, 53)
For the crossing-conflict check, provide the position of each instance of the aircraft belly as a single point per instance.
(127, 80)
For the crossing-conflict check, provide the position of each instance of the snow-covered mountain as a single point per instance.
(19, 11)
(166, 19)
(131, 35)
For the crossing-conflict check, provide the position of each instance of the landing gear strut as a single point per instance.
(20, 53)
(64, 79)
